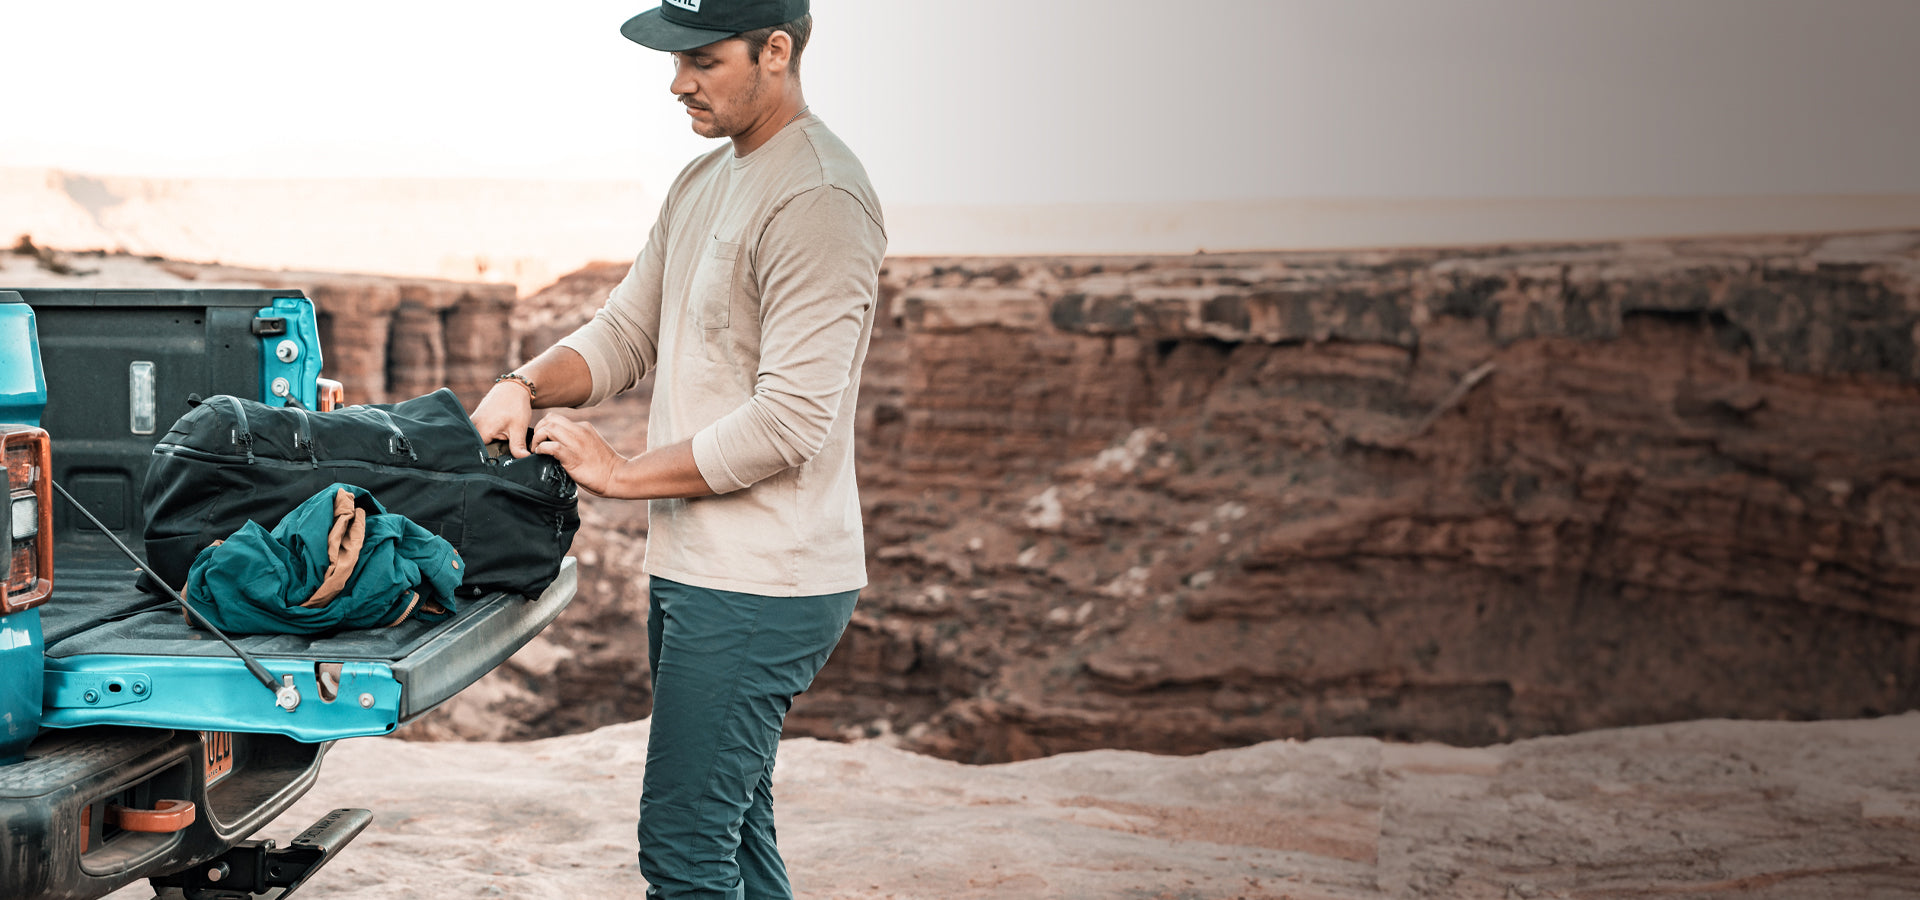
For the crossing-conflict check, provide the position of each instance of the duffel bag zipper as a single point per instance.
(398, 443)
(242, 435)
(531, 492)
(196, 453)
(303, 436)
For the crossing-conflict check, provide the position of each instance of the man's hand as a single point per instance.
(586, 456)
(503, 415)
(507, 409)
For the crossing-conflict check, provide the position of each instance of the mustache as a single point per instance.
(691, 104)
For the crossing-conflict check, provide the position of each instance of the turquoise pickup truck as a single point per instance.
(133, 745)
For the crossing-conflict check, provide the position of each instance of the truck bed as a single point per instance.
(117, 655)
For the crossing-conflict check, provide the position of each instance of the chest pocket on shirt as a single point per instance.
(713, 292)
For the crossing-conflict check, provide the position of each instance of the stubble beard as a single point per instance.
(736, 118)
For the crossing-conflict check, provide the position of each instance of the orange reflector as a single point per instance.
(21, 572)
(22, 465)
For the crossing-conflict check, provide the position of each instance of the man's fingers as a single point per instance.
(579, 448)
(544, 435)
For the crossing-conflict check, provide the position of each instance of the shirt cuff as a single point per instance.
(713, 466)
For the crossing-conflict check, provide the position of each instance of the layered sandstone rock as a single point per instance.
(1177, 503)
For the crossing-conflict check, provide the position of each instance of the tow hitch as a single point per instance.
(255, 868)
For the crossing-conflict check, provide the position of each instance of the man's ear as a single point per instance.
(777, 53)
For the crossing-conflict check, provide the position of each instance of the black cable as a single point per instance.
(253, 665)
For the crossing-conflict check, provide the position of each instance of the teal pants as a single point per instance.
(726, 667)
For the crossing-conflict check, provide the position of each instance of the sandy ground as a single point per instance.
(1697, 809)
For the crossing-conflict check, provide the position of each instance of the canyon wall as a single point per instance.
(1178, 503)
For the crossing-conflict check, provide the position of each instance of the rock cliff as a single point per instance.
(1180, 503)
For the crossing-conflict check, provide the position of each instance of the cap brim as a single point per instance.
(650, 29)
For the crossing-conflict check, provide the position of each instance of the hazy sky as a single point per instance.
(997, 101)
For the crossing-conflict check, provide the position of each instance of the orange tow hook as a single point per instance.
(165, 817)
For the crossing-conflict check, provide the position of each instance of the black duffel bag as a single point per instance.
(230, 460)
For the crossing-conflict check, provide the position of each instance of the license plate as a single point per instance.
(219, 748)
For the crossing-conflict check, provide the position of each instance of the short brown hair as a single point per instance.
(799, 29)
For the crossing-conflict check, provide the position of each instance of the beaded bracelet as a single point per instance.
(533, 393)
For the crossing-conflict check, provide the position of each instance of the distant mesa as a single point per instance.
(528, 232)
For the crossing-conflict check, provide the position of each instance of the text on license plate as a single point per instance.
(219, 747)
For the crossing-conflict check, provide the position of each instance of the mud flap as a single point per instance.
(259, 869)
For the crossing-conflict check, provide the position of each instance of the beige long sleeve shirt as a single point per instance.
(754, 298)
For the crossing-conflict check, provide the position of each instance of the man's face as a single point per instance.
(720, 86)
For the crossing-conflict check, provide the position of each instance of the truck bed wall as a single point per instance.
(199, 342)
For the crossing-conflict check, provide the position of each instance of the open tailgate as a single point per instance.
(129, 658)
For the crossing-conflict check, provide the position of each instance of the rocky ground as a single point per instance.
(1698, 809)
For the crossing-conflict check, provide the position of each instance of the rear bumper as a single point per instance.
(55, 842)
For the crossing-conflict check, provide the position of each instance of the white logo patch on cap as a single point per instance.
(688, 5)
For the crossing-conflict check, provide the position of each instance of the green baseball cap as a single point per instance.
(678, 25)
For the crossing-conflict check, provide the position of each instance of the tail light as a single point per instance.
(333, 395)
(29, 558)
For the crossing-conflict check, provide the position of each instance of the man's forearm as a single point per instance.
(560, 378)
(661, 472)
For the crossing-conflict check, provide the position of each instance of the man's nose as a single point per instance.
(682, 84)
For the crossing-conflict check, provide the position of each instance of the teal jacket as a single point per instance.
(270, 582)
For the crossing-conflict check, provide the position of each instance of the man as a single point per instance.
(753, 301)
